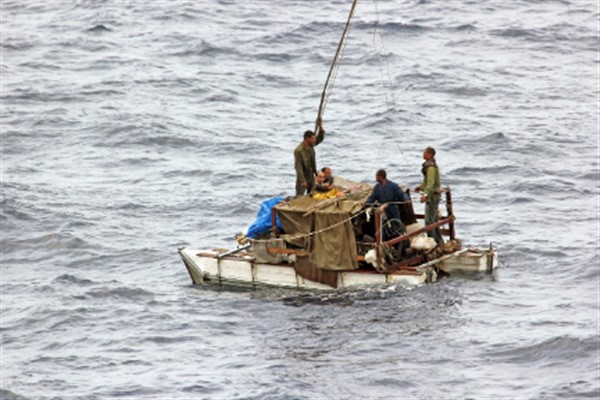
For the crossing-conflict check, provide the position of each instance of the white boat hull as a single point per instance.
(243, 270)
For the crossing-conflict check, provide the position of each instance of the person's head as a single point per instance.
(320, 177)
(428, 153)
(326, 171)
(310, 138)
(381, 176)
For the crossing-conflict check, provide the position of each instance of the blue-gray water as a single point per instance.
(130, 129)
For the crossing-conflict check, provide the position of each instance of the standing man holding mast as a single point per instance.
(305, 160)
(304, 155)
(431, 192)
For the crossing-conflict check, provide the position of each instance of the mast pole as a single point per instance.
(333, 64)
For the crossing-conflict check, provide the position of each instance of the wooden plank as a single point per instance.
(281, 250)
(419, 231)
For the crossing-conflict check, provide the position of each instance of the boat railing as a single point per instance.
(448, 220)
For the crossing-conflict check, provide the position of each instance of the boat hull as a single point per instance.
(473, 260)
(244, 270)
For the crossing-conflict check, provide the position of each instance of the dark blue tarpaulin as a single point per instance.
(263, 219)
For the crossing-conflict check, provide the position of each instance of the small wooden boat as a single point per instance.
(339, 243)
(310, 255)
(248, 270)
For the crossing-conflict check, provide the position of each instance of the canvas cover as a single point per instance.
(333, 246)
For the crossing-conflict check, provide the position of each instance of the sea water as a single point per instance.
(130, 129)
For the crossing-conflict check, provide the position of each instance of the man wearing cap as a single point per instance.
(431, 192)
(305, 160)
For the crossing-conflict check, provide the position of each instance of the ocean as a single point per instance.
(132, 128)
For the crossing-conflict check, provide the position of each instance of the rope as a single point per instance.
(388, 86)
(307, 235)
(390, 202)
(366, 210)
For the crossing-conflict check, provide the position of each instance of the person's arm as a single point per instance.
(372, 197)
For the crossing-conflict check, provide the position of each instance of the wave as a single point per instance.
(16, 44)
(562, 32)
(468, 91)
(277, 57)
(8, 395)
(491, 170)
(100, 28)
(162, 141)
(40, 66)
(194, 173)
(71, 279)
(390, 27)
(204, 48)
(591, 176)
(123, 292)
(465, 27)
(555, 350)
(50, 241)
(26, 96)
(495, 140)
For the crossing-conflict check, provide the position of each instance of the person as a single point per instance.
(322, 184)
(305, 160)
(431, 192)
(389, 193)
(328, 175)
(324, 189)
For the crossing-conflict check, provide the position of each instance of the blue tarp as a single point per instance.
(263, 218)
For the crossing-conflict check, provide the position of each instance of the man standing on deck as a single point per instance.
(431, 192)
(389, 195)
(305, 160)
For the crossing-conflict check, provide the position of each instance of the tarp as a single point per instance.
(332, 245)
(263, 219)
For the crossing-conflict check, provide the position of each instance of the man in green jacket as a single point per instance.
(305, 160)
(431, 192)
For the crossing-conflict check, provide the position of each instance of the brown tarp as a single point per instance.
(296, 226)
(333, 246)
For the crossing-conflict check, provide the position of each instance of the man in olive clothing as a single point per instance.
(431, 192)
(305, 161)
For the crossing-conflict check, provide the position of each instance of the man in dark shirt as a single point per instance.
(389, 193)
(305, 160)
(328, 175)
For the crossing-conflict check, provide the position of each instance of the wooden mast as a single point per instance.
(334, 63)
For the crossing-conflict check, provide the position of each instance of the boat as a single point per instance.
(339, 242)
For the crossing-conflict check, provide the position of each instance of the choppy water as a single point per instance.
(132, 128)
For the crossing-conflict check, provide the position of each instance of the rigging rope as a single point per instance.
(388, 88)
(327, 228)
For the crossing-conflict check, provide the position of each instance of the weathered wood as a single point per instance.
(437, 260)
(450, 212)
(426, 228)
(306, 269)
(279, 250)
(274, 218)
